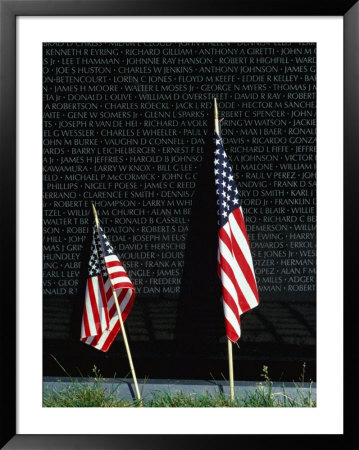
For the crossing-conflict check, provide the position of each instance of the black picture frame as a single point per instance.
(9, 10)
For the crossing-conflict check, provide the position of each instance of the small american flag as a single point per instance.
(234, 265)
(100, 323)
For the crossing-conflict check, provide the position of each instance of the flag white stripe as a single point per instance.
(241, 279)
(123, 303)
(232, 319)
(90, 339)
(227, 283)
(102, 313)
(120, 280)
(100, 304)
(110, 302)
(89, 310)
(115, 269)
(104, 336)
(111, 258)
(125, 300)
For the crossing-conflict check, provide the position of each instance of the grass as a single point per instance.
(263, 396)
(81, 394)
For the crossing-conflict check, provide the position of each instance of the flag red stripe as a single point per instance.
(233, 247)
(245, 267)
(109, 293)
(229, 271)
(95, 340)
(111, 337)
(113, 264)
(226, 265)
(246, 270)
(230, 331)
(237, 253)
(94, 306)
(120, 297)
(123, 286)
(230, 302)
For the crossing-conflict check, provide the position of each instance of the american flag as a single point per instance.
(100, 323)
(234, 264)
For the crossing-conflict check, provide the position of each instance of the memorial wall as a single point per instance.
(129, 127)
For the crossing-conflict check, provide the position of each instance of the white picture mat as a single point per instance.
(327, 417)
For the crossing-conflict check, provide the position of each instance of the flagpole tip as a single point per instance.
(216, 125)
(95, 214)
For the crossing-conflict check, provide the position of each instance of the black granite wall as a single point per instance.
(129, 126)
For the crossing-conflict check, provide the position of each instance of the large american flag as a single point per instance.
(100, 323)
(234, 265)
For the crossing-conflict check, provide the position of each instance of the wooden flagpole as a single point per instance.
(230, 353)
(230, 364)
(119, 317)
